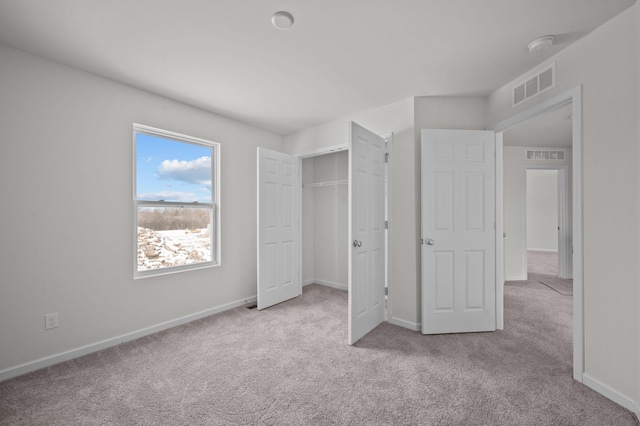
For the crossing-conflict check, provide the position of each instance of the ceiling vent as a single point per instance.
(545, 154)
(533, 85)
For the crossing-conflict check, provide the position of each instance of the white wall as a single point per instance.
(396, 118)
(515, 165)
(604, 62)
(542, 210)
(637, 25)
(308, 215)
(67, 219)
(327, 221)
(460, 113)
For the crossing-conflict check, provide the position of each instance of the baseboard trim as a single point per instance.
(307, 282)
(611, 393)
(516, 278)
(543, 250)
(330, 284)
(107, 343)
(405, 324)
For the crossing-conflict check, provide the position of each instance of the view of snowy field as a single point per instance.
(163, 249)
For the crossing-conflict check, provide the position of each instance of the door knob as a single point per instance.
(430, 242)
(357, 243)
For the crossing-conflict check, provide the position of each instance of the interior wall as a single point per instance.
(66, 170)
(610, 160)
(637, 25)
(397, 118)
(542, 210)
(308, 221)
(432, 112)
(331, 258)
(514, 169)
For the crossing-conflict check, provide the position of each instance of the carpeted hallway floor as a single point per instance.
(542, 267)
(290, 365)
(542, 262)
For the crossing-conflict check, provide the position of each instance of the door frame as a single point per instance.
(388, 137)
(574, 98)
(562, 212)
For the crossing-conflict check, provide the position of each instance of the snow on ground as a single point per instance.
(161, 249)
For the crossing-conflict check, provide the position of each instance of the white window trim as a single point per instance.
(214, 205)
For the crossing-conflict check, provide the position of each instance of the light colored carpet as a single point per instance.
(290, 365)
(562, 286)
(543, 267)
(542, 262)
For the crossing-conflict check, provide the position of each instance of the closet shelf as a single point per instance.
(330, 183)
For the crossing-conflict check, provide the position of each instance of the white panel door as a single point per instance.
(278, 227)
(458, 231)
(366, 232)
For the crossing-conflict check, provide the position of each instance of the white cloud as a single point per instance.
(194, 171)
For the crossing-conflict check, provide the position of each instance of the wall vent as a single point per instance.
(532, 86)
(545, 154)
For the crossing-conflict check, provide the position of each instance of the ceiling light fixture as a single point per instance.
(282, 20)
(540, 44)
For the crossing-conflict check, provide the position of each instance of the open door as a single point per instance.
(278, 227)
(458, 231)
(366, 232)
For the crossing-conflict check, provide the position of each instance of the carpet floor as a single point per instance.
(542, 262)
(543, 267)
(560, 285)
(290, 365)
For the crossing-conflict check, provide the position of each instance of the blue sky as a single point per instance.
(172, 171)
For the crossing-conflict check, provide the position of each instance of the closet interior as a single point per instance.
(325, 220)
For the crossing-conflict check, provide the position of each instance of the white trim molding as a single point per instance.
(413, 326)
(322, 151)
(338, 286)
(107, 343)
(516, 278)
(571, 97)
(611, 393)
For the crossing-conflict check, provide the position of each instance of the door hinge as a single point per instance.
(421, 241)
(386, 291)
(386, 224)
(386, 157)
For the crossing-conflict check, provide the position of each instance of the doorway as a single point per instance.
(279, 243)
(573, 99)
(547, 230)
(324, 218)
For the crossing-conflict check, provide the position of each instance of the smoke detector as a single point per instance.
(282, 20)
(540, 44)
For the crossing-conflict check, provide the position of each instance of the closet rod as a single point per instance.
(330, 183)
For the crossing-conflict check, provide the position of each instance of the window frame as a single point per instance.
(214, 206)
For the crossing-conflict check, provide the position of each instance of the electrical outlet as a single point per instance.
(51, 321)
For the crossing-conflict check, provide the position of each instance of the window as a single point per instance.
(176, 202)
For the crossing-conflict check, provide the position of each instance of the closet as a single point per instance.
(325, 220)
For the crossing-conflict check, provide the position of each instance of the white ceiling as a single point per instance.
(340, 57)
(550, 130)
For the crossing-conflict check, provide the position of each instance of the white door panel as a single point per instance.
(458, 231)
(278, 228)
(366, 232)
